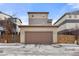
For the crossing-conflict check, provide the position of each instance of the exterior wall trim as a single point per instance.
(35, 26)
(38, 12)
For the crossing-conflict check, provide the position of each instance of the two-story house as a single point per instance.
(39, 30)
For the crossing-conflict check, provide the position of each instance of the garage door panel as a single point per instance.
(38, 37)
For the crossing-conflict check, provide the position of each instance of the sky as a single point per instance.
(56, 10)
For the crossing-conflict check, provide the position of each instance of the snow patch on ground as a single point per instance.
(18, 49)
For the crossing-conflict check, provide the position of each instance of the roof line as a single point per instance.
(35, 26)
(5, 13)
(19, 19)
(60, 18)
(38, 12)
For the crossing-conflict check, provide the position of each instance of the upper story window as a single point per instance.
(70, 16)
(75, 16)
(32, 15)
(43, 16)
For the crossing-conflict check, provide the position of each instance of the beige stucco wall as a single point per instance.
(38, 16)
(73, 16)
(69, 26)
(72, 25)
(38, 22)
(38, 19)
(25, 29)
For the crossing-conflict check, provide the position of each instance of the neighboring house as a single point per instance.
(14, 19)
(68, 24)
(68, 21)
(39, 30)
(9, 30)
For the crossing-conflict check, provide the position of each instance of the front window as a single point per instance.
(75, 16)
(32, 15)
(70, 16)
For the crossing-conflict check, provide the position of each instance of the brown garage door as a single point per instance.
(38, 37)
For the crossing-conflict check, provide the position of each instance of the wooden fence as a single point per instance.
(9, 39)
(69, 39)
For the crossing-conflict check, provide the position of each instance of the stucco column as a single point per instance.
(54, 36)
(22, 37)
